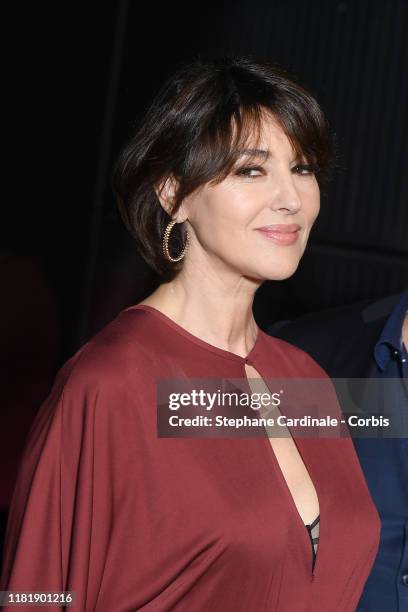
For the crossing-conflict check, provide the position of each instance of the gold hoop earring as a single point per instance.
(166, 237)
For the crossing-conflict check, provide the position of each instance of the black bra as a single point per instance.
(313, 530)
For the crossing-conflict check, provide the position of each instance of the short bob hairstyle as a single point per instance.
(199, 120)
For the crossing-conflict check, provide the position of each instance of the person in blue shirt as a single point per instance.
(370, 340)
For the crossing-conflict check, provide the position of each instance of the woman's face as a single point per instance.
(257, 221)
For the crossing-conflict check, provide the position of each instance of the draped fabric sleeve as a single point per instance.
(69, 485)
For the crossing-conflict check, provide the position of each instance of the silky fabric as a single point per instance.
(373, 350)
(127, 520)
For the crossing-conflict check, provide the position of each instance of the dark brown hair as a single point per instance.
(197, 123)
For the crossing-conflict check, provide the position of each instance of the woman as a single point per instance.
(220, 187)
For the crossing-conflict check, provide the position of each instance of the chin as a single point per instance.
(276, 273)
(281, 272)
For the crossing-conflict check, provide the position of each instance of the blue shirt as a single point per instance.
(385, 465)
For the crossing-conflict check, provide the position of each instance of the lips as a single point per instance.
(282, 228)
(283, 234)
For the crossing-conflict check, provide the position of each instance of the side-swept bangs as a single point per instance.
(195, 129)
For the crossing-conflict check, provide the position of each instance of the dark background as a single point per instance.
(77, 77)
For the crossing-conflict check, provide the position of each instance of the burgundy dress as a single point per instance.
(128, 520)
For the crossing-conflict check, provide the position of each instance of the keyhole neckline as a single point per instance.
(205, 345)
(303, 527)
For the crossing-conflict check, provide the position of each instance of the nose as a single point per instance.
(285, 196)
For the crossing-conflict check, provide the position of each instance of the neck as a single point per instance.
(215, 308)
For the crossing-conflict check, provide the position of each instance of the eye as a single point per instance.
(304, 169)
(248, 170)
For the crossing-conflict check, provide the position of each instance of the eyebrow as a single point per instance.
(264, 153)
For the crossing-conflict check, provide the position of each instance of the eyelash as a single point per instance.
(311, 169)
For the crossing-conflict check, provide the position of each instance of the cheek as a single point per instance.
(218, 221)
(315, 212)
(311, 204)
(223, 209)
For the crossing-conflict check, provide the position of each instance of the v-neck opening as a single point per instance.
(205, 345)
(274, 461)
(295, 511)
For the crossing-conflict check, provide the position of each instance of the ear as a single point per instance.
(166, 190)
